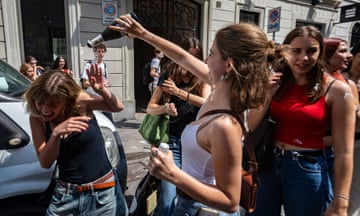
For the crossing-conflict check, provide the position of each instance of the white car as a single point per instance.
(22, 180)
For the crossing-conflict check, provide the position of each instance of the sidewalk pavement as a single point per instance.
(137, 153)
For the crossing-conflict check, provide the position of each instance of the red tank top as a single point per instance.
(300, 123)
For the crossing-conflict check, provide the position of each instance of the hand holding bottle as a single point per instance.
(128, 25)
(109, 33)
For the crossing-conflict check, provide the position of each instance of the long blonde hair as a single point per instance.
(24, 68)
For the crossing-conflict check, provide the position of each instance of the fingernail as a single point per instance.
(155, 152)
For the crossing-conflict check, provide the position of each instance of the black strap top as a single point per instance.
(82, 156)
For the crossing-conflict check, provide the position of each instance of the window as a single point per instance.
(249, 16)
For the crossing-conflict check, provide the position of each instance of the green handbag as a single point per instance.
(155, 128)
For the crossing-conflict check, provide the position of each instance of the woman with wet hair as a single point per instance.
(65, 130)
(237, 68)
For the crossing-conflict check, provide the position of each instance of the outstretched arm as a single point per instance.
(171, 50)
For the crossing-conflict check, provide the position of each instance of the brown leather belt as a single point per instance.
(100, 183)
(98, 186)
(104, 178)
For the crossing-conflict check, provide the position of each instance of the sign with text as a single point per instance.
(274, 20)
(350, 13)
(109, 11)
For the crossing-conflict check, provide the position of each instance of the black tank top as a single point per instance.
(82, 156)
(186, 114)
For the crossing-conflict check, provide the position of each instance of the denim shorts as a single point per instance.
(66, 201)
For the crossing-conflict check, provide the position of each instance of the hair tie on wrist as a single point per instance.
(340, 196)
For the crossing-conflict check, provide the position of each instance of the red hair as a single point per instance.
(330, 46)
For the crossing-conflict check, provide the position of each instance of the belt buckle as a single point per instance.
(288, 153)
(279, 151)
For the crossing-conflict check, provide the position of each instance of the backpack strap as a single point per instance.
(249, 147)
(105, 70)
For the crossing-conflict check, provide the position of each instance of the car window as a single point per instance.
(12, 82)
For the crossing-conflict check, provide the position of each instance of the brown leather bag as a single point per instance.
(250, 181)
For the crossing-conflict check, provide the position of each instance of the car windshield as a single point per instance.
(12, 82)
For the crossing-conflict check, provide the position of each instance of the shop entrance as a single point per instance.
(43, 24)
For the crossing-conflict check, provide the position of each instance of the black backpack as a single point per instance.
(147, 78)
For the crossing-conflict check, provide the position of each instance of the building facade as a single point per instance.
(47, 29)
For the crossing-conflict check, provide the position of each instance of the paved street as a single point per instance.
(137, 153)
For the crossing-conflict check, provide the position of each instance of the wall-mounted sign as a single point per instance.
(109, 11)
(350, 13)
(274, 20)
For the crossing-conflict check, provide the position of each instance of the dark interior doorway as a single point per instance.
(44, 29)
(171, 19)
(355, 34)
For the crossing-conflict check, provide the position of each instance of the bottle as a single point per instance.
(164, 147)
(109, 34)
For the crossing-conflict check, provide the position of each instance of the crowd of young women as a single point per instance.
(303, 96)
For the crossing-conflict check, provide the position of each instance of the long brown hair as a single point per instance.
(316, 76)
(252, 54)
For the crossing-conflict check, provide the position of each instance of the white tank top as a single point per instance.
(195, 160)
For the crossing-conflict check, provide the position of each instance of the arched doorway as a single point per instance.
(172, 19)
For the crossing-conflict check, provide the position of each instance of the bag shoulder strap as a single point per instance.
(329, 86)
(207, 121)
(249, 148)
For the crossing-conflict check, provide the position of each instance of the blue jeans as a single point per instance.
(300, 184)
(167, 191)
(109, 201)
(191, 208)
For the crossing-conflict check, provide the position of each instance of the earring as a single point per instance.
(316, 86)
(223, 77)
